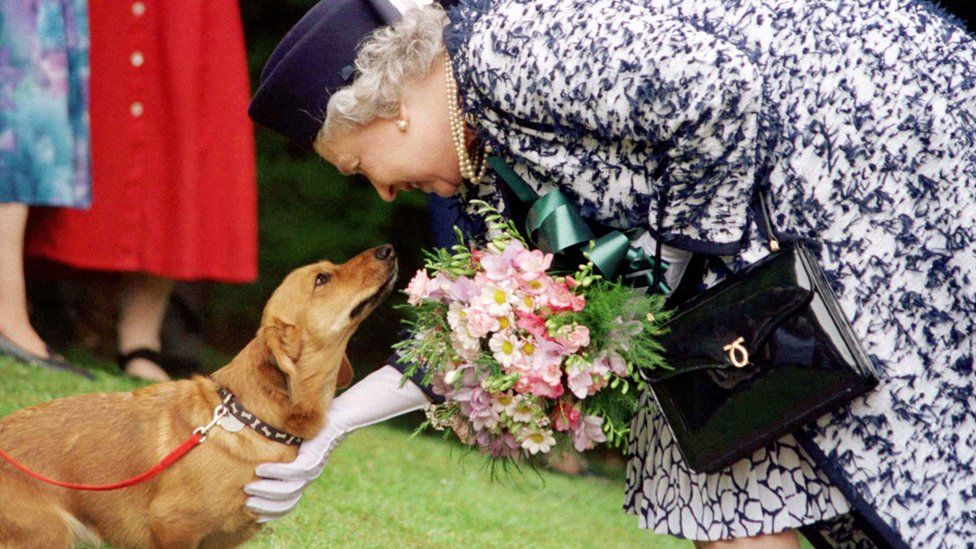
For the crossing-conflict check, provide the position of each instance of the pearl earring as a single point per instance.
(402, 125)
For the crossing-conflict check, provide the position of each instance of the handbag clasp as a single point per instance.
(738, 354)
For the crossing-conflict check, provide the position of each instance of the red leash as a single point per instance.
(172, 458)
(198, 436)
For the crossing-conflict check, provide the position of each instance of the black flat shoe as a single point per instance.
(52, 361)
(175, 367)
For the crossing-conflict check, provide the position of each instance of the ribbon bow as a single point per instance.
(554, 226)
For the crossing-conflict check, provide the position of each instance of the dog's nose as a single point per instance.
(384, 252)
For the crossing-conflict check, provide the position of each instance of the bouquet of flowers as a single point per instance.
(524, 357)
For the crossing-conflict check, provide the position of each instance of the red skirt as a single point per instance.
(173, 172)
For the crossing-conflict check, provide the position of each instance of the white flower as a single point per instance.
(503, 402)
(505, 348)
(498, 299)
(452, 376)
(465, 346)
(457, 317)
(537, 440)
(521, 410)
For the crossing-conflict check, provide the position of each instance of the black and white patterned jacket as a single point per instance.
(858, 116)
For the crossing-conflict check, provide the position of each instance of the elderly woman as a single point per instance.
(856, 118)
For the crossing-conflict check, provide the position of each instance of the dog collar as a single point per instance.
(239, 412)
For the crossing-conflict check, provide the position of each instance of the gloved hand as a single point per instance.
(378, 397)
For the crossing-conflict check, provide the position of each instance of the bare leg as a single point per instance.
(14, 322)
(142, 307)
(782, 540)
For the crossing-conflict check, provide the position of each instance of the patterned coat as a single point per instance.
(859, 117)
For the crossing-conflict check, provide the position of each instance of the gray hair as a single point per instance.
(386, 59)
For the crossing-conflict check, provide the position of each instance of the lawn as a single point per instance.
(384, 488)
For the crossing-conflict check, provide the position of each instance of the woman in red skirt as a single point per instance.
(173, 191)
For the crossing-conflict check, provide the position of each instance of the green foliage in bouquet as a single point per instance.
(631, 322)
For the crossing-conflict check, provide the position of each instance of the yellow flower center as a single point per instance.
(537, 438)
(503, 322)
(535, 284)
(500, 297)
(528, 301)
(507, 347)
(528, 348)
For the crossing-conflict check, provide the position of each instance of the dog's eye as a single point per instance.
(322, 278)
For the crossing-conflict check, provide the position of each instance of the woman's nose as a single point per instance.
(386, 192)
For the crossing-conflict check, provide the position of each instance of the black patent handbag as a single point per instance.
(755, 357)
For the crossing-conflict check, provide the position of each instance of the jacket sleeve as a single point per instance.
(445, 214)
(664, 89)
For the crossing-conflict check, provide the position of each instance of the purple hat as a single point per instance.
(314, 60)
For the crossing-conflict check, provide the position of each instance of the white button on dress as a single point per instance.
(138, 8)
(137, 59)
(136, 109)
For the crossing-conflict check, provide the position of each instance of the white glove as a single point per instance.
(378, 397)
(677, 259)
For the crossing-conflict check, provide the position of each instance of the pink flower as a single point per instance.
(547, 353)
(551, 373)
(615, 363)
(533, 264)
(532, 323)
(498, 267)
(537, 385)
(575, 339)
(585, 379)
(504, 446)
(579, 381)
(463, 289)
(482, 439)
(475, 402)
(484, 419)
(418, 288)
(588, 433)
(513, 250)
(565, 416)
(559, 297)
(480, 323)
(537, 288)
(545, 381)
(438, 286)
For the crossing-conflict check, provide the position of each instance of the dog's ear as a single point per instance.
(284, 342)
(345, 373)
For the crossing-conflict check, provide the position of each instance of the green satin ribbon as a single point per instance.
(554, 226)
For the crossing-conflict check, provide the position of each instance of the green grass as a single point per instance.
(384, 488)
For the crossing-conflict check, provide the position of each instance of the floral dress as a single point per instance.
(44, 133)
(858, 117)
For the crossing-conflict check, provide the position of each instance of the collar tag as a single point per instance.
(230, 424)
(237, 417)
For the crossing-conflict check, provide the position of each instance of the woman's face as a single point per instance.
(422, 157)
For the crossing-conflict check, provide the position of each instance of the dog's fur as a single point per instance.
(286, 376)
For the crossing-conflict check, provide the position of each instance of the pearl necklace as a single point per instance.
(472, 171)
